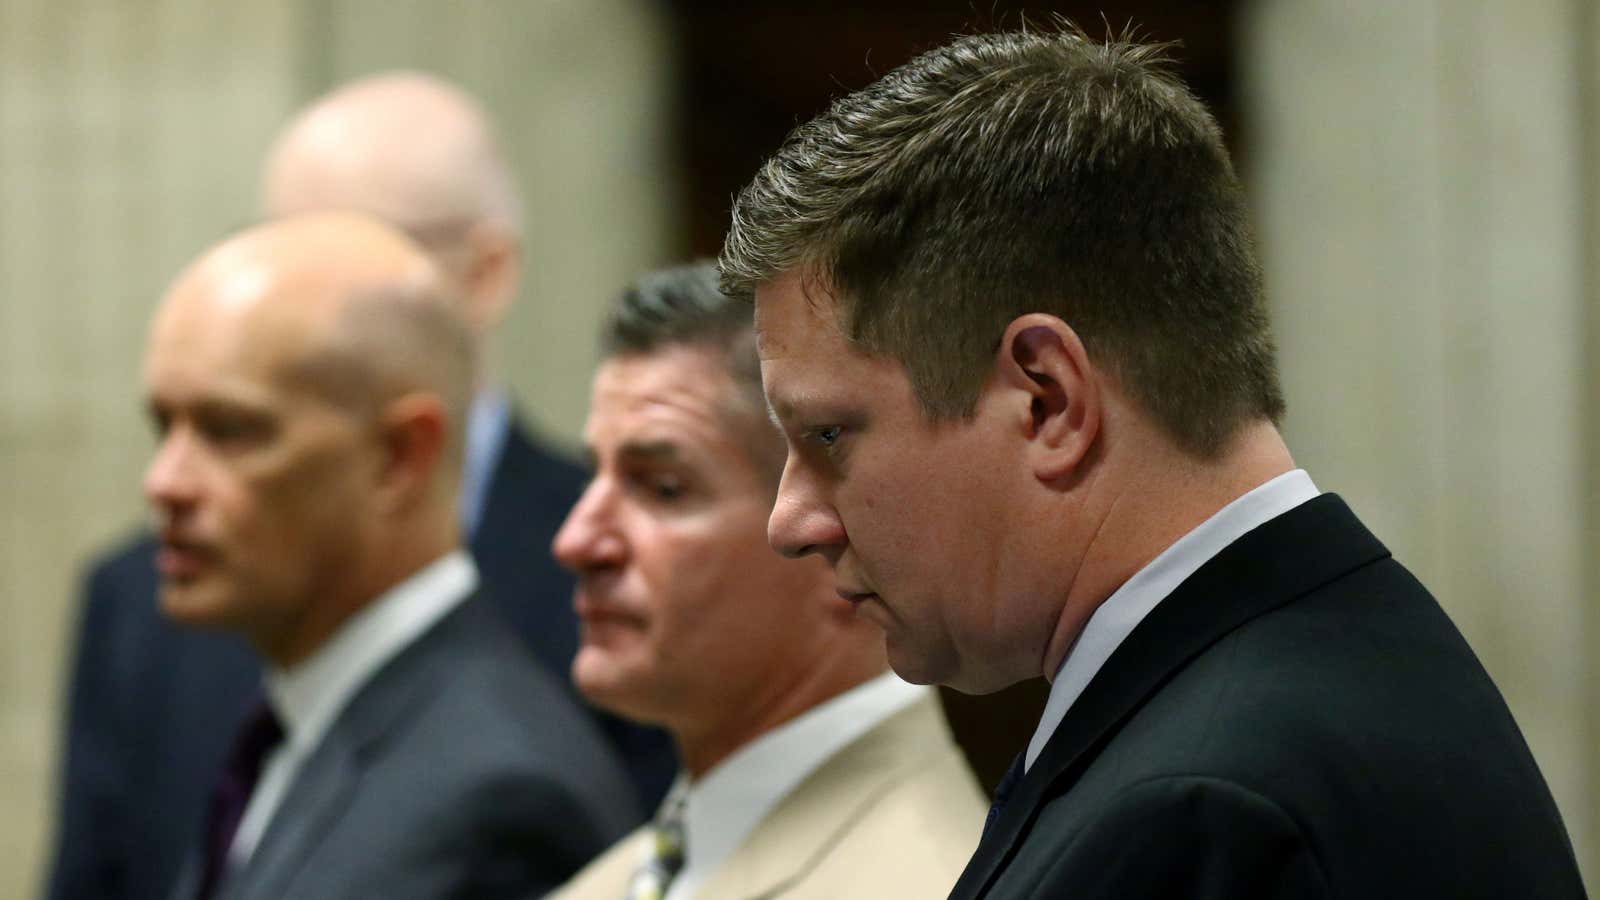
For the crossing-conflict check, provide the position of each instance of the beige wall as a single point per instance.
(1423, 195)
(129, 137)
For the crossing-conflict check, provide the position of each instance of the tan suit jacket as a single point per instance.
(896, 813)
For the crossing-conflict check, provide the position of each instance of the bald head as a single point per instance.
(420, 154)
(336, 303)
(308, 380)
(403, 146)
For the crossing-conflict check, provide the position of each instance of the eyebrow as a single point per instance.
(649, 450)
(783, 407)
(208, 406)
(779, 407)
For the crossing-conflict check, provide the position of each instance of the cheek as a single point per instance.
(302, 511)
(681, 579)
(894, 508)
(699, 577)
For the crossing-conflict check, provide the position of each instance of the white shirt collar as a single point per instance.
(1127, 607)
(309, 696)
(726, 804)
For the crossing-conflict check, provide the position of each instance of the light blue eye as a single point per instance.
(828, 436)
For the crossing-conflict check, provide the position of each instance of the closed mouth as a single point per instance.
(592, 612)
(179, 559)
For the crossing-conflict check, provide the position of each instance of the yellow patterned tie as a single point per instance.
(654, 875)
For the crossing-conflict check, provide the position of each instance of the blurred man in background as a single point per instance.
(1013, 326)
(309, 382)
(152, 706)
(810, 770)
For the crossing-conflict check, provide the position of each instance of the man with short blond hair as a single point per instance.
(810, 771)
(309, 381)
(1011, 322)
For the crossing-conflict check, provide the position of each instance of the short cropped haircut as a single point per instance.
(1006, 174)
(393, 340)
(683, 306)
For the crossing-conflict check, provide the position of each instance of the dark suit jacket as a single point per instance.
(153, 706)
(458, 770)
(1298, 719)
(151, 711)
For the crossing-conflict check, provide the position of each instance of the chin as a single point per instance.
(919, 665)
(911, 666)
(606, 681)
(195, 606)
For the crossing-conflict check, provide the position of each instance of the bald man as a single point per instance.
(421, 154)
(152, 705)
(309, 382)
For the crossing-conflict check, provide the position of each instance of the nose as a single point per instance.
(803, 520)
(589, 539)
(170, 481)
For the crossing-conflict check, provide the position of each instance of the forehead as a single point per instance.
(807, 362)
(678, 394)
(205, 340)
(792, 317)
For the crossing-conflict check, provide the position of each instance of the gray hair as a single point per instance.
(683, 306)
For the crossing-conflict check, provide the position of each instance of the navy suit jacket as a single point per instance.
(1299, 719)
(153, 706)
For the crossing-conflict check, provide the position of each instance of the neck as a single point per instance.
(1158, 500)
(704, 746)
(391, 558)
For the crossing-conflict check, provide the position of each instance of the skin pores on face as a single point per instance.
(687, 615)
(916, 518)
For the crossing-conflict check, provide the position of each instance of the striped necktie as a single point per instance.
(655, 873)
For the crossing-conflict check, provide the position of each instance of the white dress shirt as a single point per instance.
(1126, 608)
(310, 696)
(726, 804)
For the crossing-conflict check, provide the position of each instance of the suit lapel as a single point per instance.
(320, 792)
(508, 480)
(530, 495)
(818, 814)
(326, 783)
(1267, 568)
(188, 882)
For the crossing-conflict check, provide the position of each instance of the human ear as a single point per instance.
(1042, 358)
(494, 266)
(414, 430)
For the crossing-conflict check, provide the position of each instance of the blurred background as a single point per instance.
(1425, 179)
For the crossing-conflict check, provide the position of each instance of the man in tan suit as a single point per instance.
(809, 769)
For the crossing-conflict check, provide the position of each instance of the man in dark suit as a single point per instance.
(152, 705)
(309, 382)
(1011, 322)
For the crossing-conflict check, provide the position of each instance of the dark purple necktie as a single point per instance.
(231, 794)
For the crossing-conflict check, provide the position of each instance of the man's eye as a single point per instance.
(828, 435)
(667, 488)
(659, 486)
(233, 429)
